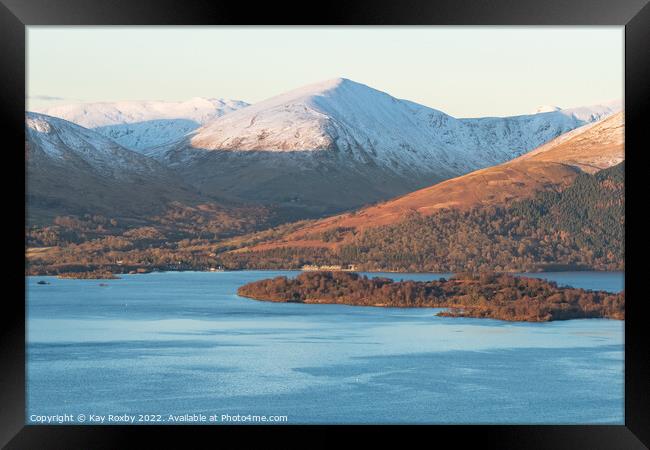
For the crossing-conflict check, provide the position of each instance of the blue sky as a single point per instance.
(464, 71)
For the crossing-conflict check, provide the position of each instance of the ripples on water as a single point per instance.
(176, 343)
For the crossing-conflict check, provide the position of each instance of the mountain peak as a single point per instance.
(320, 88)
(329, 84)
(316, 116)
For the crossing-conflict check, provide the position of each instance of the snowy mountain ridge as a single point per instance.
(367, 124)
(138, 125)
(92, 115)
(322, 148)
(56, 141)
(339, 144)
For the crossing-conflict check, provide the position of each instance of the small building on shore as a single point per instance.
(330, 268)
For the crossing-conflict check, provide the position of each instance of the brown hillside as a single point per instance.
(551, 166)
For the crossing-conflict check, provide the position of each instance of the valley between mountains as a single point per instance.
(331, 174)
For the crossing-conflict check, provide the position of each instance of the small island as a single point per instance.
(91, 275)
(485, 295)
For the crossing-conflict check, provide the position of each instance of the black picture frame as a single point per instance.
(15, 15)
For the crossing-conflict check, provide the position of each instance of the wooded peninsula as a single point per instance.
(485, 295)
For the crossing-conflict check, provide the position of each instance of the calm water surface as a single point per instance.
(185, 343)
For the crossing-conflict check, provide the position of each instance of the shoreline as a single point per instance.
(515, 272)
(406, 308)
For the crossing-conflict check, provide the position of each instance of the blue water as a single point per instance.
(184, 343)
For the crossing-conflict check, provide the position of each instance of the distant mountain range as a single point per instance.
(138, 125)
(339, 144)
(322, 148)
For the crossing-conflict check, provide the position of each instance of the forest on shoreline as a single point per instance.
(579, 228)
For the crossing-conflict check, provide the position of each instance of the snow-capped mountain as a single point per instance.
(63, 143)
(138, 125)
(74, 170)
(340, 144)
(346, 115)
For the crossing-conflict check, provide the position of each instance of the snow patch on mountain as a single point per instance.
(37, 123)
(152, 133)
